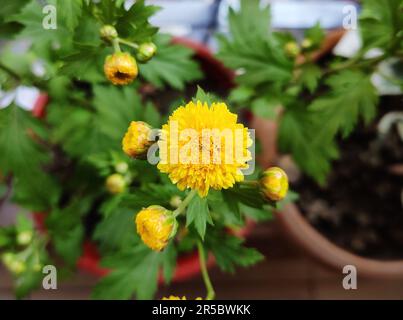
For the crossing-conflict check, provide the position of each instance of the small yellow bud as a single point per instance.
(292, 49)
(136, 141)
(24, 237)
(175, 201)
(306, 43)
(13, 263)
(37, 267)
(108, 33)
(146, 51)
(115, 183)
(120, 68)
(274, 184)
(156, 226)
(122, 167)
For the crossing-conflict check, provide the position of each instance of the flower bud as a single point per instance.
(175, 201)
(306, 44)
(122, 167)
(146, 51)
(13, 263)
(108, 33)
(24, 237)
(156, 225)
(115, 183)
(136, 141)
(37, 267)
(274, 184)
(120, 68)
(292, 49)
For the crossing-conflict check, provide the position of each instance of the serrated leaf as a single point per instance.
(32, 17)
(298, 130)
(69, 11)
(380, 22)
(309, 77)
(198, 214)
(172, 65)
(22, 152)
(252, 49)
(351, 96)
(135, 271)
(229, 251)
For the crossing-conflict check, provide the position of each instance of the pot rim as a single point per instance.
(330, 254)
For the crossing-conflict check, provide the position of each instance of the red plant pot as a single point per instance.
(188, 265)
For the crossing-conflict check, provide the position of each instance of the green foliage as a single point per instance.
(171, 65)
(17, 131)
(198, 214)
(59, 164)
(135, 271)
(229, 251)
(319, 101)
(381, 24)
(253, 49)
(351, 95)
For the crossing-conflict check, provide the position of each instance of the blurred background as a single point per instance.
(287, 272)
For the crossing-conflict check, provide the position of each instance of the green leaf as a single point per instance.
(204, 97)
(309, 77)
(252, 49)
(116, 107)
(315, 34)
(117, 230)
(23, 153)
(380, 22)
(134, 25)
(69, 11)
(66, 228)
(32, 17)
(229, 251)
(85, 63)
(198, 214)
(351, 96)
(226, 207)
(248, 195)
(22, 223)
(172, 65)
(169, 256)
(299, 135)
(135, 271)
(265, 107)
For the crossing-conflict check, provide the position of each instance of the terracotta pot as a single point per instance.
(187, 265)
(295, 225)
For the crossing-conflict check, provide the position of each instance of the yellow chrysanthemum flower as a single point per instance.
(203, 147)
(120, 68)
(178, 298)
(136, 141)
(156, 226)
(274, 184)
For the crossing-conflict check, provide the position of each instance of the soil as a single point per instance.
(361, 206)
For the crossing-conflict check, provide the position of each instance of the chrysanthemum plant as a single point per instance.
(314, 103)
(86, 166)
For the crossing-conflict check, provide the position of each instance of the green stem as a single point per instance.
(116, 46)
(206, 277)
(128, 43)
(253, 183)
(184, 203)
(10, 72)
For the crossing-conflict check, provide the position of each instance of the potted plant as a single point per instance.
(349, 207)
(84, 166)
